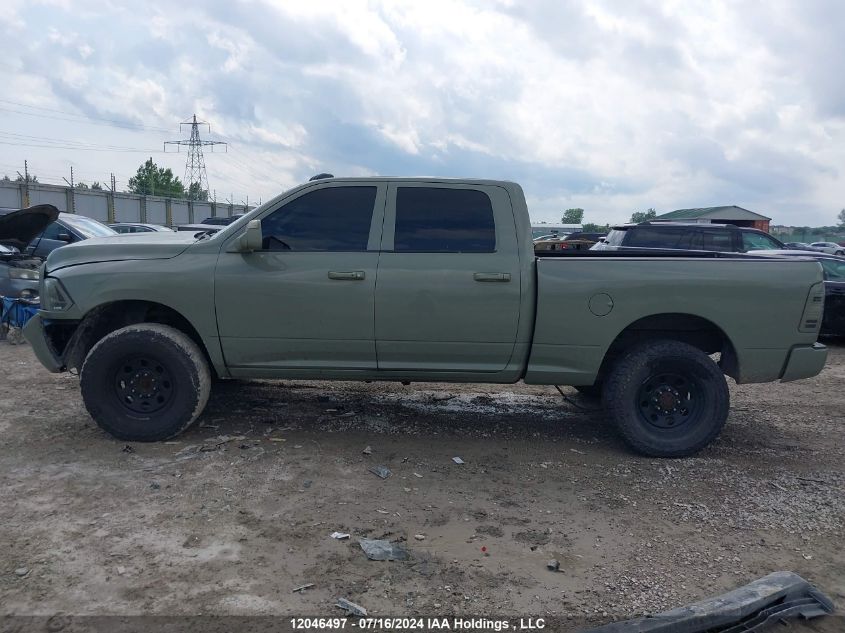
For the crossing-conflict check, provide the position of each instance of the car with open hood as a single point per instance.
(19, 271)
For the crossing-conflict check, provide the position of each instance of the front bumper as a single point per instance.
(804, 361)
(37, 337)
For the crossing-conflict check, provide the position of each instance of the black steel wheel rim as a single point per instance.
(143, 385)
(669, 400)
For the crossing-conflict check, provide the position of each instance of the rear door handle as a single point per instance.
(492, 276)
(348, 275)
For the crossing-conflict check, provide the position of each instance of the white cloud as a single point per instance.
(610, 106)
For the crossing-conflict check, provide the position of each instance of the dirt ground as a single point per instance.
(238, 512)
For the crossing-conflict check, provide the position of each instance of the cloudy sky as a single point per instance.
(609, 105)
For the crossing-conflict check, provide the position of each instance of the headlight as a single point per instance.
(54, 298)
(24, 273)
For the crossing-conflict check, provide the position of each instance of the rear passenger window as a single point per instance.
(439, 220)
(721, 241)
(654, 237)
(329, 219)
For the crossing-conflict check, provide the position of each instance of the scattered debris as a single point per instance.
(575, 450)
(127, 449)
(383, 550)
(350, 607)
(417, 475)
(303, 587)
(206, 425)
(553, 565)
(339, 535)
(155, 485)
(277, 439)
(382, 511)
(21, 571)
(367, 451)
(297, 445)
(219, 441)
(121, 570)
(419, 537)
(458, 460)
(380, 471)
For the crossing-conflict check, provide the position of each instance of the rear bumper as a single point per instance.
(804, 361)
(34, 333)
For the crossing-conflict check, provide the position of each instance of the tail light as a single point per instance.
(811, 318)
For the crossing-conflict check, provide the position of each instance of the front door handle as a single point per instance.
(492, 276)
(349, 275)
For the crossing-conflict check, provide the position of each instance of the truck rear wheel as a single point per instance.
(145, 382)
(667, 398)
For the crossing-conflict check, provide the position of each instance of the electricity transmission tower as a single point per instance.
(196, 178)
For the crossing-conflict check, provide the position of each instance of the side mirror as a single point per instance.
(64, 237)
(251, 239)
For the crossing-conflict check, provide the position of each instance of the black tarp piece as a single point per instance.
(754, 607)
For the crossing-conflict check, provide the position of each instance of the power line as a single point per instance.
(76, 117)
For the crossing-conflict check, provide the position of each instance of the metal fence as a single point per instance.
(109, 207)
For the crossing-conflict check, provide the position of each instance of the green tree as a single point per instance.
(841, 217)
(572, 216)
(152, 180)
(81, 185)
(643, 216)
(32, 178)
(96, 186)
(592, 227)
(195, 193)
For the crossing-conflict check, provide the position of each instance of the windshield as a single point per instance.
(86, 226)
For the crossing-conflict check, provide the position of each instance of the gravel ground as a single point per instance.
(237, 513)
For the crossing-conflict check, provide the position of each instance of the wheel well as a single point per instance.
(107, 318)
(693, 330)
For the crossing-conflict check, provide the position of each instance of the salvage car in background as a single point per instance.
(831, 248)
(201, 228)
(132, 227)
(577, 241)
(724, 238)
(19, 271)
(801, 246)
(222, 220)
(833, 268)
(68, 228)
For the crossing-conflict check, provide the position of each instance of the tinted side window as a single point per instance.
(721, 241)
(435, 220)
(330, 219)
(654, 237)
(833, 270)
(53, 230)
(758, 241)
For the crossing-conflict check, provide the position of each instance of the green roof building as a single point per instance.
(719, 215)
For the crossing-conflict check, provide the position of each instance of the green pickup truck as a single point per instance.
(419, 280)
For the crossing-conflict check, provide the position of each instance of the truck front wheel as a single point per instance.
(667, 398)
(145, 382)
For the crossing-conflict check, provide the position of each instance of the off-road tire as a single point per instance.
(591, 391)
(666, 373)
(145, 382)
